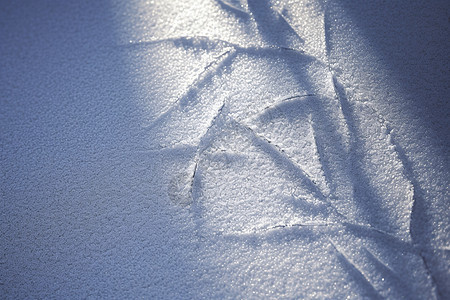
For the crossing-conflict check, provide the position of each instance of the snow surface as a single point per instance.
(224, 149)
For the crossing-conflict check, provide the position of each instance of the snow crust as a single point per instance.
(221, 149)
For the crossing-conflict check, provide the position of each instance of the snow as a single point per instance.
(224, 149)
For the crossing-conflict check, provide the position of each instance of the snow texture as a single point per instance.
(224, 149)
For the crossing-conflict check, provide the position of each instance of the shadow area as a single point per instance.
(412, 46)
(84, 215)
(410, 41)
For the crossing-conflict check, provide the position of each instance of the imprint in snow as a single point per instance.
(267, 159)
(299, 143)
